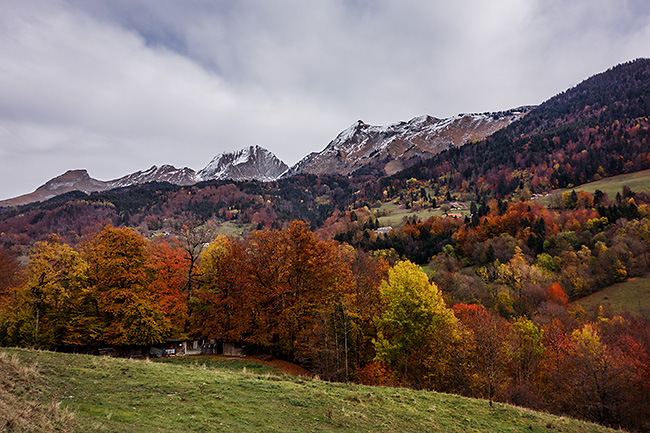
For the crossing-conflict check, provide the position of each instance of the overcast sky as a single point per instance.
(116, 86)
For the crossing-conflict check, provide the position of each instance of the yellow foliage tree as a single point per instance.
(55, 286)
(417, 329)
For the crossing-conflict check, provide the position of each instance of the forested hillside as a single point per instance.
(597, 129)
(503, 330)
(162, 207)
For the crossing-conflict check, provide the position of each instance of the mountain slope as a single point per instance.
(72, 180)
(80, 180)
(394, 146)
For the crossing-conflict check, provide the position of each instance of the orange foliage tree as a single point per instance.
(223, 304)
(293, 277)
(126, 304)
(167, 267)
(481, 371)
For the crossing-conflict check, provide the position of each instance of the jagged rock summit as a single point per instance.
(391, 148)
(251, 163)
(164, 173)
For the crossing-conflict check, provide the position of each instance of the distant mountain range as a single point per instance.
(385, 148)
(251, 163)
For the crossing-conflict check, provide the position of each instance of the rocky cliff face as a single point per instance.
(392, 146)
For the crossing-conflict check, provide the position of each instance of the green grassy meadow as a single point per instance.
(396, 214)
(230, 228)
(99, 394)
(636, 181)
(632, 296)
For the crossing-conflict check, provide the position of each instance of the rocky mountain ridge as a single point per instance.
(252, 163)
(393, 146)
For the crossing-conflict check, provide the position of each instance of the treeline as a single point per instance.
(282, 290)
(509, 335)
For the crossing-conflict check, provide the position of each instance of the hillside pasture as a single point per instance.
(632, 296)
(639, 181)
(394, 215)
(117, 395)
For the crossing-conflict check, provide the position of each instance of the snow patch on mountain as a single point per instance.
(164, 173)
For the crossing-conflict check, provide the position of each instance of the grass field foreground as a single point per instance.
(118, 395)
(25, 406)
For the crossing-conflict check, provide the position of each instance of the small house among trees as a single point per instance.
(226, 348)
(384, 230)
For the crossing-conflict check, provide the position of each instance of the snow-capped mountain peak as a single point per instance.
(390, 148)
(164, 173)
(251, 163)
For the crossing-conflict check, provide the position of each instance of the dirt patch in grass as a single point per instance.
(283, 366)
(260, 364)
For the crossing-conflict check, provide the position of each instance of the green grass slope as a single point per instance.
(120, 395)
(24, 404)
(637, 181)
(631, 296)
(393, 215)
